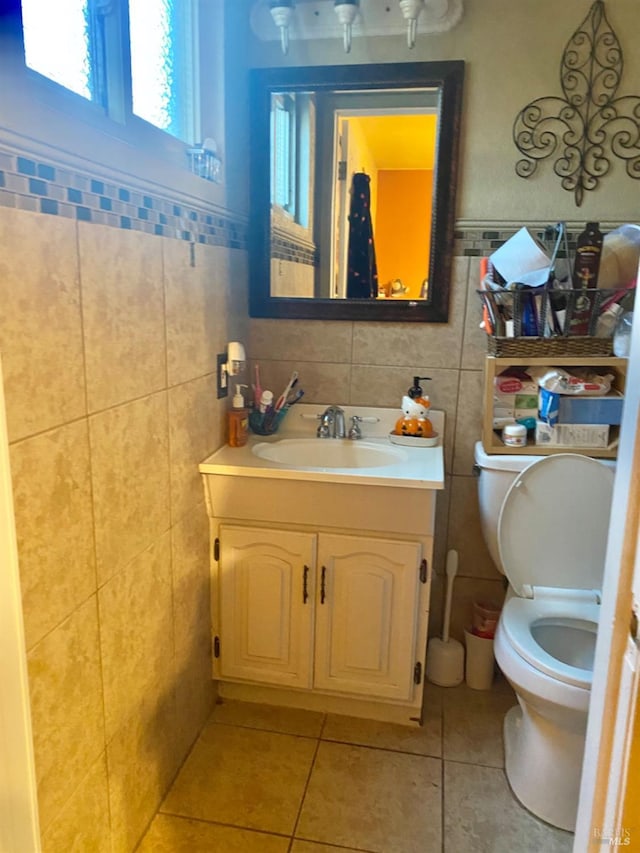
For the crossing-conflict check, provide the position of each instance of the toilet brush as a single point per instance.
(445, 657)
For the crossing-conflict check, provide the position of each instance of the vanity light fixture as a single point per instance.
(281, 11)
(411, 9)
(313, 19)
(347, 12)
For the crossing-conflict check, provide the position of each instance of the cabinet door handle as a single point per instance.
(323, 585)
(305, 589)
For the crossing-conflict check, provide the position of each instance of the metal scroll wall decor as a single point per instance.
(590, 124)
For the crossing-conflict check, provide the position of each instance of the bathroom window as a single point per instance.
(163, 60)
(79, 45)
(291, 119)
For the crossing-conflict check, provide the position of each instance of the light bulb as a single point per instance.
(281, 11)
(411, 9)
(347, 11)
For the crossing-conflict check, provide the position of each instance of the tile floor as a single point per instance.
(271, 780)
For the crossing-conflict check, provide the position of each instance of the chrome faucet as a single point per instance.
(331, 423)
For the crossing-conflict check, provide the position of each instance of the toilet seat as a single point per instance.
(520, 615)
(554, 523)
(552, 536)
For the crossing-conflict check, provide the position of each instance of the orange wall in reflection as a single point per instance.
(402, 228)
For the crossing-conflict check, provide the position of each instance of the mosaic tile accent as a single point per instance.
(288, 250)
(27, 183)
(477, 241)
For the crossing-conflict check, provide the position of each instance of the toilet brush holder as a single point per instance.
(445, 657)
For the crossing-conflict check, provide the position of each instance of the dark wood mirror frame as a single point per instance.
(448, 78)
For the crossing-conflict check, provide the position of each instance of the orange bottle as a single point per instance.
(238, 420)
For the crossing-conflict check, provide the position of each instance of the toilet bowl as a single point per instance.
(550, 541)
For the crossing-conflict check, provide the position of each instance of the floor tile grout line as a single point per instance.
(239, 826)
(306, 784)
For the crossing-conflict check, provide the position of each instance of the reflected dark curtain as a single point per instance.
(362, 273)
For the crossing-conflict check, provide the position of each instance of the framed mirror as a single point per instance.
(353, 178)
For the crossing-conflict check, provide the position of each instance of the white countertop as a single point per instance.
(417, 467)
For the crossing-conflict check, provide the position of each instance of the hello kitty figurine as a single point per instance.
(414, 420)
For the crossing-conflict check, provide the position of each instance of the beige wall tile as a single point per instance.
(142, 759)
(83, 823)
(40, 322)
(130, 473)
(195, 308)
(474, 346)
(195, 694)
(136, 634)
(465, 533)
(192, 624)
(191, 583)
(52, 493)
(291, 340)
(123, 312)
(322, 383)
(194, 433)
(469, 420)
(436, 344)
(66, 708)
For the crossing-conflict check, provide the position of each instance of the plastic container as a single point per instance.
(479, 663)
(485, 619)
(622, 335)
(238, 420)
(608, 320)
(514, 435)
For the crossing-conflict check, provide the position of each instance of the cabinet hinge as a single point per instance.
(417, 673)
(424, 571)
(342, 170)
(216, 549)
(216, 647)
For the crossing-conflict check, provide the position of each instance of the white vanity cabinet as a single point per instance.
(323, 611)
(321, 557)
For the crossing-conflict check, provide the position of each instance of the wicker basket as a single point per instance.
(543, 347)
(557, 345)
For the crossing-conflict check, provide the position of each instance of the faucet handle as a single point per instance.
(354, 430)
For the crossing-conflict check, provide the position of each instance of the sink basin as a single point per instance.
(328, 453)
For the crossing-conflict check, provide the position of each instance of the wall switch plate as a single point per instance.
(222, 378)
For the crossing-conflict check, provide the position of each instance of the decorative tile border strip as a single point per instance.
(288, 250)
(33, 184)
(479, 241)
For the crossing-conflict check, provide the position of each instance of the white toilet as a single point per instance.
(545, 521)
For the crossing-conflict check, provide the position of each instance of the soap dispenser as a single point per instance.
(414, 420)
(238, 419)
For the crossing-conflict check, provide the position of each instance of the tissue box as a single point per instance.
(591, 410)
(572, 435)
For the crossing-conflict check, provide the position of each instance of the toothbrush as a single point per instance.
(282, 399)
(257, 388)
(297, 396)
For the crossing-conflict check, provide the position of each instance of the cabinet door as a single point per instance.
(266, 583)
(366, 615)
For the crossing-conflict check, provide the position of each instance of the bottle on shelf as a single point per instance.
(238, 419)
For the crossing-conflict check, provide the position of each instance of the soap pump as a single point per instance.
(238, 419)
(415, 405)
(416, 391)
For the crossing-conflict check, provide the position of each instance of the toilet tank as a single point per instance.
(495, 473)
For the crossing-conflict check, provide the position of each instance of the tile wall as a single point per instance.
(109, 338)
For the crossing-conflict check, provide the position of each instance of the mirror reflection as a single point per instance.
(353, 190)
(375, 153)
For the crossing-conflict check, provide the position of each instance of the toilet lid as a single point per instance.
(554, 522)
